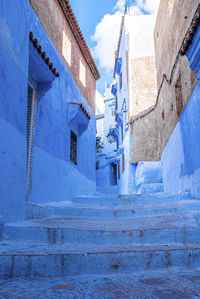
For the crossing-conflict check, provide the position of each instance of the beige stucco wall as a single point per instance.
(151, 132)
(143, 87)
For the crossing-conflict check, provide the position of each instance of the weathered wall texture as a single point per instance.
(141, 64)
(170, 29)
(54, 22)
(142, 84)
(152, 130)
(181, 155)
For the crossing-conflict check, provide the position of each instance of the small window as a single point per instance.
(123, 163)
(66, 48)
(113, 174)
(120, 81)
(97, 165)
(82, 73)
(116, 104)
(122, 131)
(118, 171)
(73, 148)
(113, 112)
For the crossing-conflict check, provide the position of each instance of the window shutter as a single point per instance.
(32, 102)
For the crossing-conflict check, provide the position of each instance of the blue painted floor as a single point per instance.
(167, 284)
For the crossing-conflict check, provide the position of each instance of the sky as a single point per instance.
(99, 21)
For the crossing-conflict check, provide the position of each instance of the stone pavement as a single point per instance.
(166, 284)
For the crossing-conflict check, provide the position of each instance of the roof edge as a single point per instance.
(68, 12)
(118, 45)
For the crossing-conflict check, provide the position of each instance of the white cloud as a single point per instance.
(120, 5)
(150, 6)
(135, 11)
(106, 33)
(106, 36)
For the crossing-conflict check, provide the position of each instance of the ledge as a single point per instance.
(77, 114)
(43, 54)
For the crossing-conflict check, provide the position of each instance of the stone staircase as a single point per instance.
(103, 235)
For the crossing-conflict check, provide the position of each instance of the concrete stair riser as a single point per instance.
(132, 199)
(150, 188)
(38, 212)
(60, 265)
(100, 237)
(116, 212)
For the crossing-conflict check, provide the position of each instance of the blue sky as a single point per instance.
(99, 21)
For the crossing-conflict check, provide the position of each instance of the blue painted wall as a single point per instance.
(181, 156)
(104, 178)
(54, 176)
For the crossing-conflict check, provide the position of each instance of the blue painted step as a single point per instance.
(163, 232)
(139, 230)
(73, 210)
(150, 188)
(41, 261)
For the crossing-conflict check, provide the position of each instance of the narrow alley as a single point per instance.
(100, 187)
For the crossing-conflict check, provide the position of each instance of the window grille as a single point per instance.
(32, 101)
(73, 148)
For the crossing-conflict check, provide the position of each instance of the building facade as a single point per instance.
(47, 106)
(135, 88)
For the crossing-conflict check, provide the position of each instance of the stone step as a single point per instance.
(22, 260)
(170, 283)
(131, 199)
(48, 210)
(150, 188)
(139, 230)
(76, 210)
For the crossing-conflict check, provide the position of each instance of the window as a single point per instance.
(97, 165)
(32, 101)
(118, 171)
(116, 104)
(123, 163)
(82, 73)
(113, 174)
(122, 131)
(73, 147)
(66, 48)
(120, 81)
(113, 112)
